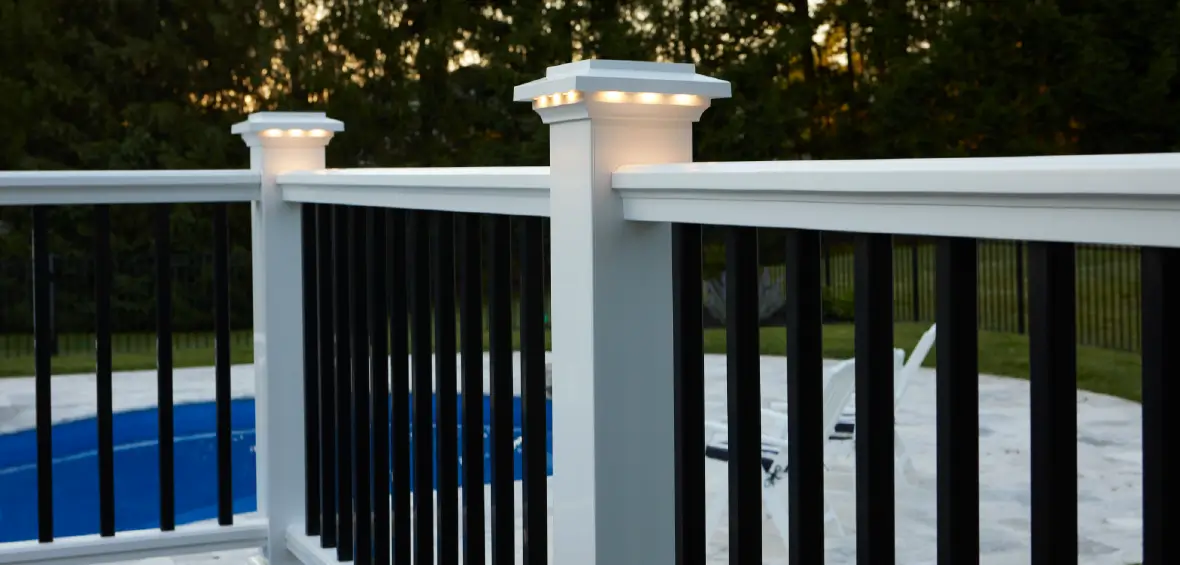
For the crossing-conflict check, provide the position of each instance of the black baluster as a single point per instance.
(221, 364)
(805, 392)
(532, 394)
(1161, 309)
(164, 366)
(399, 386)
(361, 425)
(102, 353)
(311, 366)
(469, 236)
(500, 365)
(418, 265)
(1053, 376)
(344, 438)
(326, 304)
(446, 379)
(874, 400)
(689, 390)
(42, 353)
(379, 399)
(743, 396)
(958, 402)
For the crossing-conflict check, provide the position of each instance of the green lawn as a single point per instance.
(1099, 370)
(1106, 371)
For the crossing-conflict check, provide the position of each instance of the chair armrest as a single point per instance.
(774, 442)
(774, 414)
(722, 430)
(715, 430)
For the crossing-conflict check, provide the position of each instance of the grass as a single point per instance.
(1105, 371)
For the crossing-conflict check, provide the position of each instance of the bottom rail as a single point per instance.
(307, 548)
(137, 544)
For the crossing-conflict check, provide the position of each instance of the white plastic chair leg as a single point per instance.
(713, 507)
(830, 516)
(903, 464)
(773, 501)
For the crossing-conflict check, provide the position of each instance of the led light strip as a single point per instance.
(295, 133)
(615, 97)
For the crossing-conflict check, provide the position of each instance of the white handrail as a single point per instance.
(25, 188)
(1115, 199)
(491, 190)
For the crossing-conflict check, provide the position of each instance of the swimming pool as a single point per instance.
(137, 497)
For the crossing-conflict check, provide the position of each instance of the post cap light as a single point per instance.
(288, 126)
(622, 82)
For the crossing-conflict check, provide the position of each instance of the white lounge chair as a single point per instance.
(901, 381)
(837, 391)
(846, 426)
(903, 372)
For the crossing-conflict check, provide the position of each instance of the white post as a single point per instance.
(613, 498)
(280, 142)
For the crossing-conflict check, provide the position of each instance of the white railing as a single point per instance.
(126, 187)
(1109, 199)
(522, 191)
(620, 172)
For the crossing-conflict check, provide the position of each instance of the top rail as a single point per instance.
(521, 191)
(24, 188)
(1112, 199)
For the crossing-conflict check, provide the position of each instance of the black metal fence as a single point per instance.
(71, 280)
(1108, 288)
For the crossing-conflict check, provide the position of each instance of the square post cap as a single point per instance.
(621, 90)
(626, 77)
(288, 126)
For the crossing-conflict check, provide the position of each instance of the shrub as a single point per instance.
(839, 304)
(772, 296)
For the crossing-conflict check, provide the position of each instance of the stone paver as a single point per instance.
(1109, 454)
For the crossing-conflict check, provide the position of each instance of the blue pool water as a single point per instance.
(137, 497)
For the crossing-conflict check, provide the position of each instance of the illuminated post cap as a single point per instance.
(287, 126)
(626, 83)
